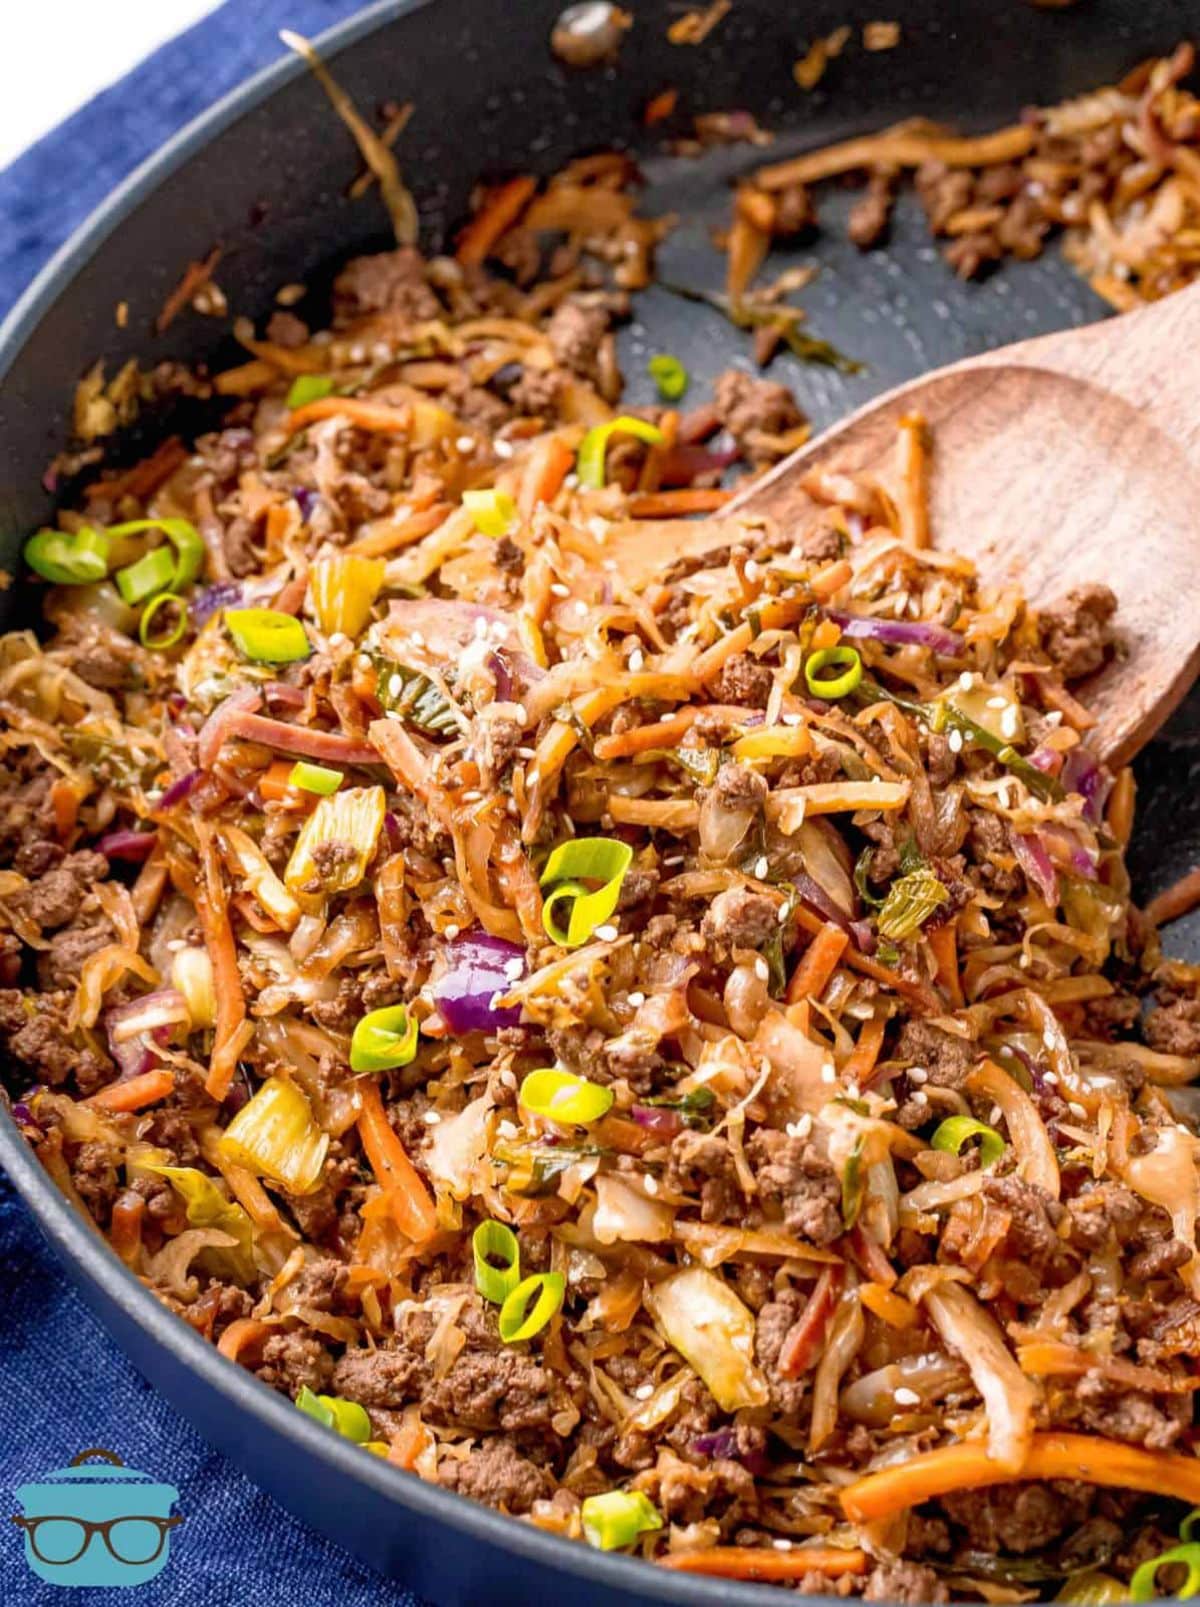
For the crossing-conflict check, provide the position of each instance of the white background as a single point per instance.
(57, 54)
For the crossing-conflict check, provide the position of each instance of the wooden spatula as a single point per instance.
(1071, 458)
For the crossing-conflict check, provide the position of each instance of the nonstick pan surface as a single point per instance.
(265, 174)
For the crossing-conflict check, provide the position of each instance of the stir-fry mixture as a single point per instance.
(639, 1021)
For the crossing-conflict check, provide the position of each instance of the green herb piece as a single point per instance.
(560, 1096)
(152, 572)
(68, 560)
(412, 695)
(534, 1168)
(862, 873)
(313, 1406)
(845, 659)
(785, 320)
(315, 778)
(1143, 1586)
(530, 1306)
(384, 1039)
(910, 901)
(616, 1518)
(174, 633)
(943, 716)
(589, 465)
(571, 867)
(695, 1108)
(183, 536)
(956, 1131)
(266, 636)
(670, 376)
(494, 1242)
(493, 511)
(854, 1184)
(309, 388)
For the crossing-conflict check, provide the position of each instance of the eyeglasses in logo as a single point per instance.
(97, 1525)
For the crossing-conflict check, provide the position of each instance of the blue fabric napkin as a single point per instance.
(63, 1384)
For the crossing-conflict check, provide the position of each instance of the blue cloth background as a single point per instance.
(63, 1383)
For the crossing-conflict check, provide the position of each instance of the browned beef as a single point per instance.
(1097, 1406)
(904, 1582)
(59, 965)
(870, 216)
(749, 407)
(946, 1058)
(319, 1284)
(1102, 1213)
(889, 836)
(239, 544)
(383, 1378)
(55, 898)
(1015, 1517)
(296, 1359)
(94, 1172)
(792, 1173)
(772, 1326)
(1076, 634)
(497, 1473)
(34, 1027)
(943, 191)
(575, 332)
(1158, 1259)
(991, 855)
(391, 282)
(740, 919)
(739, 787)
(744, 679)
(1032, 1238)
(1173, 1024)
(286, 330)
(701, 1163)
(538, 392)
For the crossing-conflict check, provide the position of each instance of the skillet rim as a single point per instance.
(73, 1241)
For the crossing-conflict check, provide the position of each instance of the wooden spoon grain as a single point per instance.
(1071, 458)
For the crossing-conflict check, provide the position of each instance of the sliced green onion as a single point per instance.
(589, 465)
(384, 1039)
(267, 636)
(313, 1406)
(153, 572)
(68, 560)
(910, 901)
(493, 511)
(173, 633)
(616, 1518)
(1187, 1529)
(669, 374)
(563, 1097)
(1144, 1584)
(309, 388)
(315, 778)
(956, 1131)
(530, 1306)
(833, 686)
(570, 867)
(491, 1242)
(1092, 1588)
(378, 1448)
(346, 1418)
(183, 536)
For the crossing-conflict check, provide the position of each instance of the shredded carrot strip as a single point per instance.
(380, 541)
(1045, 1359)
(784, 611)
(819, 962)
(754, 1562)
(888, 1306)
(1119, 814)
(550, 461)
(135, 1093)
(274, 785)
(943, 942)
(144, 478)
(861, 1063)
(1177, 900)
(230, 1039)
(494, 219)
(377, 417)
(64, 802)
(675, 504)
(408, 1444)
(898, 148)
(1051, 1456)
(411, 1205)
(920, 995)
(125, 1230)
(246, 378)
(664, 733)
(195, 276)
(913, 475)
(240, 1333)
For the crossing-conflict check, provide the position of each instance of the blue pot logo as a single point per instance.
(97, 1524)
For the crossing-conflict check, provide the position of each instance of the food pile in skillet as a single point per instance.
(638, 1020)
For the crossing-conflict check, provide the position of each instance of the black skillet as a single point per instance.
(265, 173)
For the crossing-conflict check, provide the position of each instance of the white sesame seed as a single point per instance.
(1050, 1079)
(906, 1397)
(431, 1118)
(526, 753)
(995, 1115)
(918, 1075)
(997, 703)
(395, 686)
(417, 639)
(451, 931)
(761, 867)
(782, 1545)
(520, 714)
(637, 660)
(597, 527)
(955, 741)
(502, 449)
(559, 590)
(507, 1129)
(793, 719)
(514, 967)
(852, 1089)
(1077, 1110)
(508, 1077)
(606, 934)
(829, 1072)
(650, 1184)
(966, 680)
(481, 626)
(920, 1097)
(643, 1392)
(803, 1125)
(752, 570)
(1054, 718)
(762, 970)
(174, 945)
(581, 608)
(571, 482)
(781, 914)
(674, 859)
(465, 443)
(637, 999)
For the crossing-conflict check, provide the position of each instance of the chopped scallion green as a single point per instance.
(530, 1306)
(560, 1096)
(68, 560)
(493, 511)
(315, 778)
(183, 536)
(152, 572)
(1144, 1586)
(494, 1242)
(309, 388)
(174, 633)
(384, 1039)
(568, 873)
(589, 465)
(266, 636)
(833, 686)
(616, 1518)
(956, 1131)
(669, 374)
